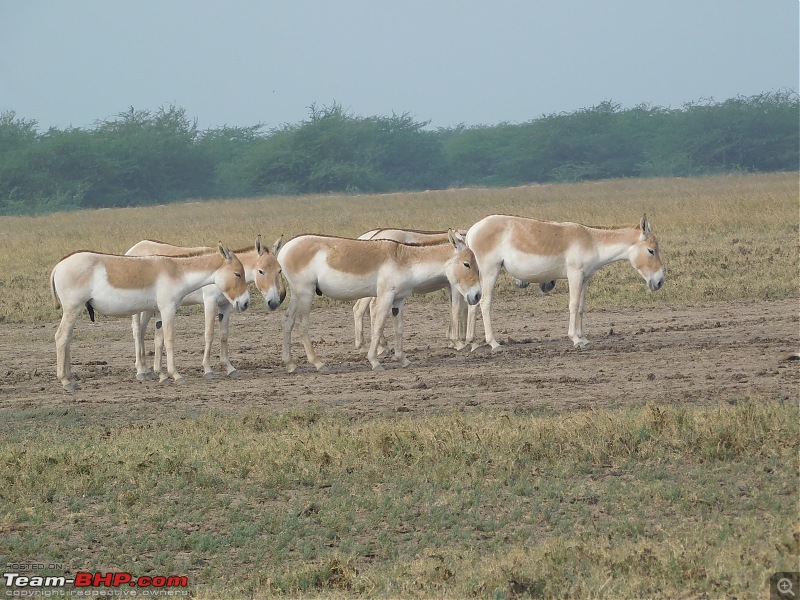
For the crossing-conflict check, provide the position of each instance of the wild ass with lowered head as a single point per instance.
(347, 269)
(456, 330)
(120, 286)
(260, 267)
(534, 250)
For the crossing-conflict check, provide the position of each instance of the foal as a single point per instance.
(347, 269)
(540, 251)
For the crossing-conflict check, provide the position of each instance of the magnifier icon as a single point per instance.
(784, 586)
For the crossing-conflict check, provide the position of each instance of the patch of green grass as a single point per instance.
(660, 500)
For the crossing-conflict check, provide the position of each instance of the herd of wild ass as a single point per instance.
(378, 271)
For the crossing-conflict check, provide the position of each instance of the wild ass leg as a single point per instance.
(158, 350)
(299, 306)
(456, 332)
(168, 326)
(379, 313)
(312, 357)
(224, 330)
(63, 340)
(577, 292)
(288, 325)
(462, 307)
(488, 281)
(138, 346)
(359, 309)
(452, 325)
(398, 312)
(139, 324)
(579, 324)
(383, 345)
(209, 318)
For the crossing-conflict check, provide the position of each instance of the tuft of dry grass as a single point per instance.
(722, 237)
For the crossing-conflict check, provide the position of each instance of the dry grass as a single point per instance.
(722, 237)
(647, 502)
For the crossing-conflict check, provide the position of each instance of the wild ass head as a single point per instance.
(645, 258)
(268, 274)
(230, 279)
(462, 269)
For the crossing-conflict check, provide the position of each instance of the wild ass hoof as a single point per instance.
(180, 380)
(146, 376)
(322, 368)
(582, 344)
(405, 363)
(164, 380)
(520, 283)
(71, 386)
(497, 348)
(378, 367)
(291, 367)
(209, 375)
(235, 374)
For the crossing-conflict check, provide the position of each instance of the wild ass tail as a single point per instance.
(53, 291)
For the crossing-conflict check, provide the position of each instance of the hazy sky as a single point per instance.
(73, 62)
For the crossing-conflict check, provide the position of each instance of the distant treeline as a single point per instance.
(153, 157)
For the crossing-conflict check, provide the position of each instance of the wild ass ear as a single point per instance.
(225, 252)
(261, 250)
(276, 247)
(644, 225)
(456, 240)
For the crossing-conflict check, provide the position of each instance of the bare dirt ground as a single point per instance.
(675, 355)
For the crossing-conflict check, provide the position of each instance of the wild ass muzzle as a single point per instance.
(260, 267)
(120, 286)
(538, 251)
(348, 269)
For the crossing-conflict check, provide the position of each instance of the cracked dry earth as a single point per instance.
(672, 355)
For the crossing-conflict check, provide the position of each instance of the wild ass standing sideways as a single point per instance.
(534, 250)
(455, 330)
(121, 286)
(260, 267)
(347, 269)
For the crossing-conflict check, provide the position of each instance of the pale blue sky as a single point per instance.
(71, 63)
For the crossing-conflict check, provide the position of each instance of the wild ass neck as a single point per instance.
(612, 245)
(197, 271)
(426, 262)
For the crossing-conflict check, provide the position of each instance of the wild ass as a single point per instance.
(260, 267)
(125, 285)
(347, 269)
(455, 330)
(534, 250)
